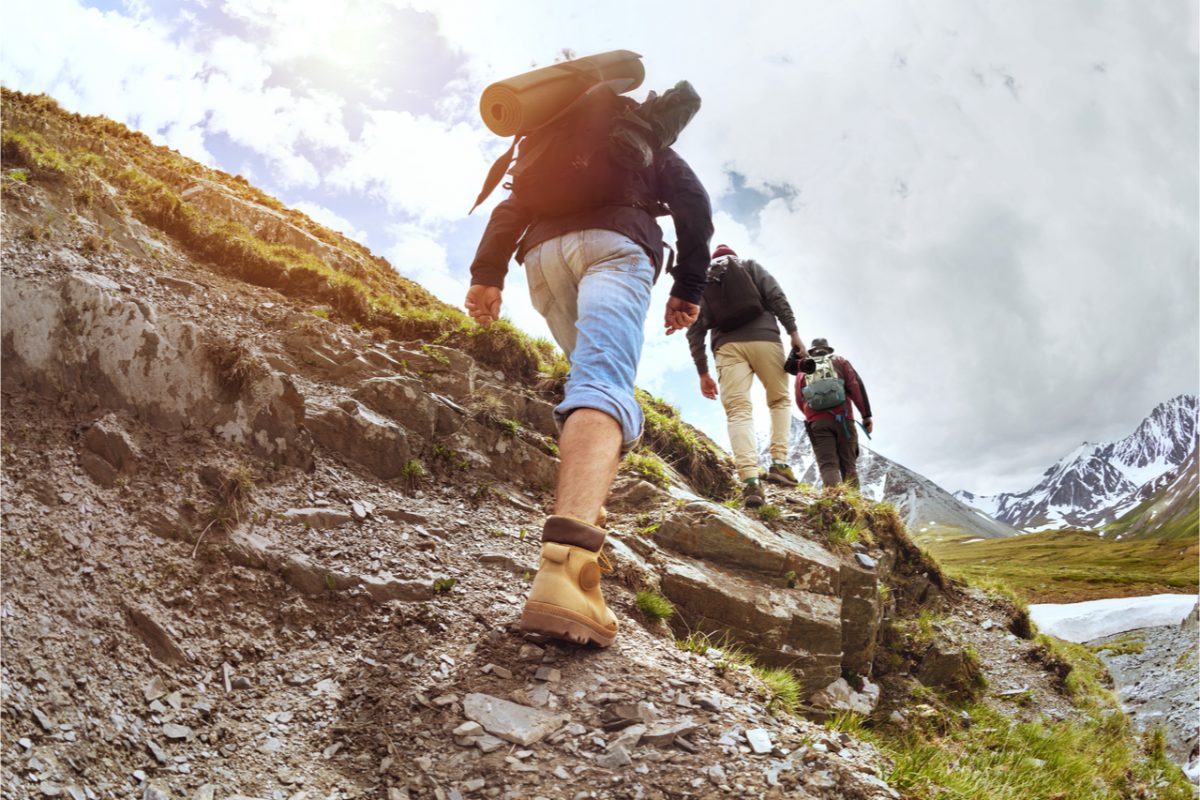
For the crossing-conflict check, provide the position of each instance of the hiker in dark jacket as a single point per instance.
(750, 349)
(590, 275)
(831, 430)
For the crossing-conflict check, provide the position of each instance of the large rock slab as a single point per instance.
(720, 535)
(784, 627)
(83, 339)
(404, 399)
(862, 614)
(359, 434)
(510, 721)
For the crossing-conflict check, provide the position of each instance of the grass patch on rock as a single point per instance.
(654, 606)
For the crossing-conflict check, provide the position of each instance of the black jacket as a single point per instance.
(513, 228)
(761, 329)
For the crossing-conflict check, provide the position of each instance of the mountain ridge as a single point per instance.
(1097, 483)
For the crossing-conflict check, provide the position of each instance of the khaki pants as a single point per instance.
(836, 449)
(737, 363)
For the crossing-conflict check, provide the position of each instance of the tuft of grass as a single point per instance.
(320, 313)
(705, 465)
(654, 606)
(843, 533)
(647, 467)
(783, 688)
(1122, 645)
(412, 475)
(444, 585)
(18, 175)
(769, 512)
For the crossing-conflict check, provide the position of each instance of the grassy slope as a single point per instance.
(82, 159)
(1070, 566)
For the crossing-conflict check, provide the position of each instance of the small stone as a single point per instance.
(157, 752)
(154, 689)
(468, 729)
(614, 759)
(561, 773)
(474, 785)
(716, 774)
(896, 718)
(173, 731)
(629, 737)
(987, 624)
(530, 652)
(241, 682)
(444, 700)
(332, 750)
(510, 721)
(488, 743)
(760, 741)
(206, 792)
(25, 742)
(270, 745)
(43, 720)
(548, 674)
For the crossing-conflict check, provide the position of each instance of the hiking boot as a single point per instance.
(565, 601)
(752, 494)
(781, 473)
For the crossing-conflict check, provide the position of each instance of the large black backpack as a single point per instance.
(567, 166)
(730, 297)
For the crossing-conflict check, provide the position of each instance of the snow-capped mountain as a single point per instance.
(1167, 506)
(921, 502)
(1097, 483)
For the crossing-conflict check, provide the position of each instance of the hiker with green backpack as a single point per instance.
(828, 389)
(592, 170)
(743, 305)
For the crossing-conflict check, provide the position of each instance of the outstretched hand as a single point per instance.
(483, 303)
(680, 314)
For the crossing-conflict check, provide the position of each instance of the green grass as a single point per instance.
(1157, 519)
(768, 513)
(654, 606)
(843, 533)
(412, 475)
(783, 688)
(1122, 645)
(1070, 566)
(648, 467)
(705, 465)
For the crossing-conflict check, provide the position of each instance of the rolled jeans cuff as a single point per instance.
(620, 405)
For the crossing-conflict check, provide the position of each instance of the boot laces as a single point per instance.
(605, 565)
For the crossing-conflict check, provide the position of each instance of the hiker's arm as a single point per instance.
(691, 210)
(856, 391)
(505, 228)
(696, 336)
(775, 300)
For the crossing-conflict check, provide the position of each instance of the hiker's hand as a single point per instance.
(798, 344)
(483, 303)
(680, 314)
(708, 387)
(869, 424)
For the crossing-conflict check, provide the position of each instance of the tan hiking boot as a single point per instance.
(565, 601)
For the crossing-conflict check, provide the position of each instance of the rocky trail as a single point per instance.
(253, 547)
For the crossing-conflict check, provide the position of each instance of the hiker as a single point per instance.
(743, 305)
(590, 273)
(825, 391)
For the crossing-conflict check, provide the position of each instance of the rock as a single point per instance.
(943, 666)
(530, 652)
(636, 495)
(510, 721)
(403, 398)
(159, 754)
(241, 682)
(629, 737)
(489, 744)
(840, 696)
(383, 591)
(508, 563)
(662, 734)
(760, 741)
(400, 515)
(206, 792)
(498, 671)
(614, 759)
(106, 439)
(174, 731)
(359, 434)
(716, 774)
(319, 518)
(861, 614)
(43, 721)
(152, 792)
(468, 729)
(987, 624)
(864, 560)
(160, 642)
(548, 674)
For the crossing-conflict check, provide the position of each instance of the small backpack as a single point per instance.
(731, 298)
(824, 389)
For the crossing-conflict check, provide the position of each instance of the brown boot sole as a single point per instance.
(563, 623)
(780, 480)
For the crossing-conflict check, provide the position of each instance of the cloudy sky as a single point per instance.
(990, 208)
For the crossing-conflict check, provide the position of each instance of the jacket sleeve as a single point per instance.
(855, 390)
(697, 335)
(504, 229)
(691, 210)
(774, 300)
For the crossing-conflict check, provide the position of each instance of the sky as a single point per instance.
(990, 208)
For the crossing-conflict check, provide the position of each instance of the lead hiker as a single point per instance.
(581, 217)
(743, 305)
(825, 391)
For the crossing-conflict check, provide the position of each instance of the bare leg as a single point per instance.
(590, 449)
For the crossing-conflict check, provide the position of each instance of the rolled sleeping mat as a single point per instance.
(523, 102)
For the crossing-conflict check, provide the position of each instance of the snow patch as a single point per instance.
(1083, 622)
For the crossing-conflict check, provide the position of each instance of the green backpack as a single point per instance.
(824, 389)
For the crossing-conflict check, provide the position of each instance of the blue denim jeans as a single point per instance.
(593, 288)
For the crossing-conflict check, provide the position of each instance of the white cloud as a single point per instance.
(331, 219)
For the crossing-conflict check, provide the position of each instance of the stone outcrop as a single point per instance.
(81, 338)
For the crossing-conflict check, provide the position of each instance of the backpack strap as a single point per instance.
(496, 172)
